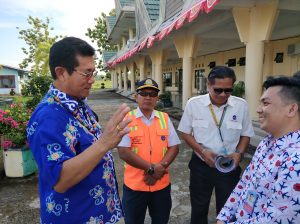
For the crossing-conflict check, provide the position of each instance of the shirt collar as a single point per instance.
(140, 114)
(66, 100)
(207, 101)
(283, 142)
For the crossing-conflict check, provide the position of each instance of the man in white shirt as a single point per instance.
(269, 190)
(215, 124)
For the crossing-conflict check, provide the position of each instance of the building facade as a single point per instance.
(11, 78)
(177, 42)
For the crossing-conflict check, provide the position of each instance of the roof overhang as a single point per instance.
(125, 20)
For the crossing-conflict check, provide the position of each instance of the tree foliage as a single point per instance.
(36, 86)
(98, 34)
(38, 41)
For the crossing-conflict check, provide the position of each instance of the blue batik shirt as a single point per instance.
(54, 136)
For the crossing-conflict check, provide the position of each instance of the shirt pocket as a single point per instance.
(163, 134)
(200, 129)
(136, 137)
(234, 129)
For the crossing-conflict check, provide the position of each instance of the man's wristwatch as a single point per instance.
(241, 153)
(150, 171)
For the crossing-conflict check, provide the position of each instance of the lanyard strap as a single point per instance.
(218, 124)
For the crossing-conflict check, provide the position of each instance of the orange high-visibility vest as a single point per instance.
(151, 144)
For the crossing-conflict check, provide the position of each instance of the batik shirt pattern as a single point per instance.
(54, 136)
(274, 177)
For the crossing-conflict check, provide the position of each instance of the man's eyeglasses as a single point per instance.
(219, 91)
(151, 94)
(87, 74)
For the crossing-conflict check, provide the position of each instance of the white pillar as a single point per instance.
(120, 78)
(125, 78)
(186, 46)
(157, 59)
(255, 26)
(132, 77)
(187, 63)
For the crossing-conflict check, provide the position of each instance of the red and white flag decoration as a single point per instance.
(143, 44)
(150, 41)
(194, 11)
(162, 34)
(210, 4)
(170, 28)
(180, 21)
(190, 15)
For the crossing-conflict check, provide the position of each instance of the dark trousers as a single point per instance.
(203, 179)
(135, 205)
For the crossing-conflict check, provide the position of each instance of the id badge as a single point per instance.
(250, 201)
(223, 151)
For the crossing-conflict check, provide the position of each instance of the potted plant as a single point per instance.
(165, 98)
(239, 89)
(18, 159)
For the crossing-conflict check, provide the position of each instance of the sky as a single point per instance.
(67, 17)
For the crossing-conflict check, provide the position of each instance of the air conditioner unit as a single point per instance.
(293, 49)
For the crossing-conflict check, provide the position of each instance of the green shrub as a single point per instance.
(37, 86)
(239, 89)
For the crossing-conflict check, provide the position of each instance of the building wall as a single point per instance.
(11, 72)
(290, 64)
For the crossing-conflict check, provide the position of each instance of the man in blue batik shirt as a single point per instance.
(77, 182)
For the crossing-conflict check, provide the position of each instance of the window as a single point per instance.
(212, 64)
(7, 81)
(279, 58)
(231, 62)
(199, 78)
(242, 61)
(167, 77)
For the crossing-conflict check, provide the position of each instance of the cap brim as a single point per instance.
(147, 86)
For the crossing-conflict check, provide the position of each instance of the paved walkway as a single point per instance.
(19, 202)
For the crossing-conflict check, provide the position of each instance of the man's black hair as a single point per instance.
(290, 91)
(221, 72)
(63, 53)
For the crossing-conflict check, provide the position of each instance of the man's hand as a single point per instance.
(149, 179)
(115, 128)
(209, 157)
(159, 171)
(236, 158)
(220, 222)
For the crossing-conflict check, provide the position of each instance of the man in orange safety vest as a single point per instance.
(148, 150)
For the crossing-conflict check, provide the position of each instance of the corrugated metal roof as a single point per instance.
(152, 7)
(108, 55)
(112, 20)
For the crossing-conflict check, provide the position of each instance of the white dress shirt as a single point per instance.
(173, 137)
(197, 120)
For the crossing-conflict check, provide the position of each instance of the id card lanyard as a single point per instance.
(218, 124)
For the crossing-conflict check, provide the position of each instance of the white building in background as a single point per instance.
(11, 78)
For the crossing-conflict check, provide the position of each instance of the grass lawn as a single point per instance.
(97, 84)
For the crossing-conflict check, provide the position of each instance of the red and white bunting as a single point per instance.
(150, 41)
(162, 34)
(170, 28)
(181, 19)
(135, 49)
(194, 11)
(210, 4)
(143, 44)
